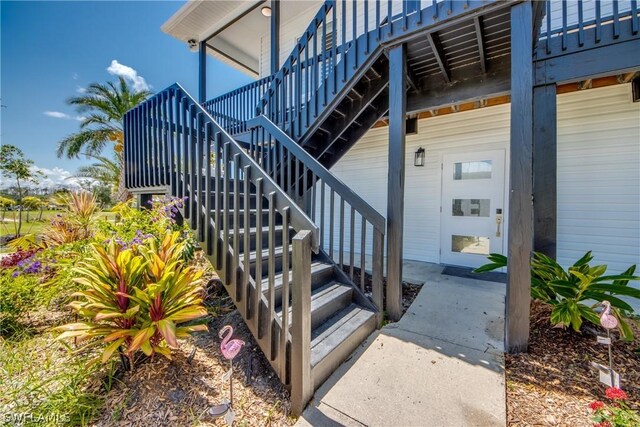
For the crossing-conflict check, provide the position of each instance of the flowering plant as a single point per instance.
(616, 414)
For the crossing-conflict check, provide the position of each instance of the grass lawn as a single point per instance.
(7, 227)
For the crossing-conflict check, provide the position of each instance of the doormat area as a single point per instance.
(469, 274)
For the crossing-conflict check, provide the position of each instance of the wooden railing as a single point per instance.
(564, 18)
(298, 93)
(344, 218)
(171, 142)
(233, 109)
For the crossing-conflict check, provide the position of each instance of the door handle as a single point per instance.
(498, 221)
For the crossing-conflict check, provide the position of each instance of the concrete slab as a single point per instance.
(440, 365)
(462, 311)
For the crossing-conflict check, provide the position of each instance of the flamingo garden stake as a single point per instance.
(608, 321)
(230, 349)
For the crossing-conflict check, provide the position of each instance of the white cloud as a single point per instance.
(75, 76)
(60, 115)
(129, 74)
(57, 115)
(81, 89)
(52, 178)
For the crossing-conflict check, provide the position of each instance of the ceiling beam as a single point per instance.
(436, 47)
(483, 61)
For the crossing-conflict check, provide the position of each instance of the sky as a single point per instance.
(50, 51)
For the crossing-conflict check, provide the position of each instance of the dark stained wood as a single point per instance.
(495, 83)
(275, 36)
(545, 170)
(520, 194)
(301, 381)
(436, 47)
(202, 72)
(395, 189)
(478, 26)
(594, 59)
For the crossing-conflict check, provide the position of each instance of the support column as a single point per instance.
(521, 181)
(545, 170)
(202, 72)
(395, 190)
(275, 36)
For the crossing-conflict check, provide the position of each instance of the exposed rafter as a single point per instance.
(479, 37)
(436, 46)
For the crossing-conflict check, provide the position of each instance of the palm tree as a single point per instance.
(103, 107)
(105, 171)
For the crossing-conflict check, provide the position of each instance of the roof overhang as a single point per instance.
(232, 30)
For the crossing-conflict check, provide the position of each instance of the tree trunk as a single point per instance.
(123, 193)
(40, 216)
(19, 229)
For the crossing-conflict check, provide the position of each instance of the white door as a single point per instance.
(472, 207)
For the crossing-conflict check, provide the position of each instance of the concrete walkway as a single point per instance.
(441, 365)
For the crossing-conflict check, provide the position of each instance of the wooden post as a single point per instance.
(545, 169)
(395, 186)
(202, 73)
(275, 36)
(521, 182)
(301, 381)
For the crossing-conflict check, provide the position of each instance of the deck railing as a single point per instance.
(564, 18)
(233, 109)
(343, 217)
(172, 142)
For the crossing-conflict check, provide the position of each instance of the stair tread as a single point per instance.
(336, 330)
(324, 295)
(316, 267)
(265, 253)
(252, 230)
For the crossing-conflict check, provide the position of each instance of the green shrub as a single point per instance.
(568, 290)
(136, 298)
(17, 297)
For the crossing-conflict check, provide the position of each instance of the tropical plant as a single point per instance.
(15, 166)
(103, 107)
(136, 298)
(106, 172)
(570, 291)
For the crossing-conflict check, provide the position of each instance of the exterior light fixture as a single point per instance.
(193, 45)
(418, 159)
(266, 11)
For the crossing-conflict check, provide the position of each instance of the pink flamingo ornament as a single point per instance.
(230, 349)
(607, 320)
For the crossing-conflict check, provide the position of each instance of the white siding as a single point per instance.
(599, 177)
(588, 10)
(364, 169)
(598, 173)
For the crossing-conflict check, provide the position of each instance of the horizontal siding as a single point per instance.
(588, 8)
(364, 169)
(598, 173)
(599, 177)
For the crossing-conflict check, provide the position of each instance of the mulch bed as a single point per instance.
(409, 290)
(554, 382)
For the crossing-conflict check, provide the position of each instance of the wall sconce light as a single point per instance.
(266, 11)
(418, 159)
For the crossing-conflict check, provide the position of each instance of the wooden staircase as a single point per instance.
(304, 311)
(285, 235)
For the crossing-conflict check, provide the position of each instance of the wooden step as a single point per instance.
(321, 273)
(325, 302)
(252, 217)
(337, 338)
(277, 259)
(265, 236)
